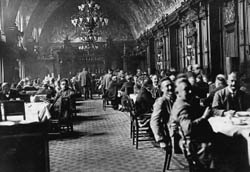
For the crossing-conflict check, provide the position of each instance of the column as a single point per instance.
(148, 58)
(1, 70)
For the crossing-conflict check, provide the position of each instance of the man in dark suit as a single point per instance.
(144, 103)
(7, 93)
(106, 81)
(230, 99)
(59, 104)
(144, 100)
(197, 134)
(85, 82)
(220, 83)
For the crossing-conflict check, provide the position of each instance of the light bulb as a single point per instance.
(106, 20)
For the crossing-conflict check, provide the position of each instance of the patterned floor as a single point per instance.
(101, 143)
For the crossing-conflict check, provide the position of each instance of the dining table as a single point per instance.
(234, 127)
(35, 112)
(24, 143)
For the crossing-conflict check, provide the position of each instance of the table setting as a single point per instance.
(237, 125)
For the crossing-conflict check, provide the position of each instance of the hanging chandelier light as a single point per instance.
(87, 20)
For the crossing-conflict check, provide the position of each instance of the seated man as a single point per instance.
(65, 93)
(112, 92)
(7, 93)
(156, 91)
(29, 86)
(162, 111)
(128, 86)
(127, 89)
(46, 91)
(230, 99)
(219, 84)
(197, 134)
(144, 102)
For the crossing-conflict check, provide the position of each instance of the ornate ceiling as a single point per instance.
(51, 18)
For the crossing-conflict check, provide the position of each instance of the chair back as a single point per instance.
(25, 98)
(131, 105)
(13, 108)
(65, 110)
(39, 98)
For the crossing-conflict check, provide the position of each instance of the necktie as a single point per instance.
(234, 103)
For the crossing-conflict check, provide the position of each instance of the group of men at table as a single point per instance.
(54, 99)
(179, 111)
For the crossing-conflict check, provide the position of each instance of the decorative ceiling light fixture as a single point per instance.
(87, 20)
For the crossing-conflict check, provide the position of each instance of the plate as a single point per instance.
(238, 121)
(242, 123)
(242, 113)
(7, 123)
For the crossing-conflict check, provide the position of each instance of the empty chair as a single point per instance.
(13, 108)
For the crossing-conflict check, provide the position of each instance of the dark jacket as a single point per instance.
(188, 118)
(128, 88)
(13, 94)
(144, 102)
(223, 101)
(112, 91)
(156, 92)
(209, 100)
(196, 132)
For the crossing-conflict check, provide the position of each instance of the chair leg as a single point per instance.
(169, 160)
(131, 129)
(191, 166)
(137, 137)
(133, 134)
(104, 104)
(166, 161)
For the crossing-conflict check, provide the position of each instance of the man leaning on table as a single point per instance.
(230, 99)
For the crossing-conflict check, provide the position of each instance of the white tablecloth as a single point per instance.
(225, 126)
(35, 112)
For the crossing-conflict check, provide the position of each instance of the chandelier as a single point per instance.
(87, 20)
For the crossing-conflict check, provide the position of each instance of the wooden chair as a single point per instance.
(189, 149)
(25, 98)
(13, 108)
(168, 156)
(129, 107)
(62, 119)
(74, 110)
(105, 101)
(66, 113)
(140, 132)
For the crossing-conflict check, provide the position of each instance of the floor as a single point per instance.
(101, 143)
